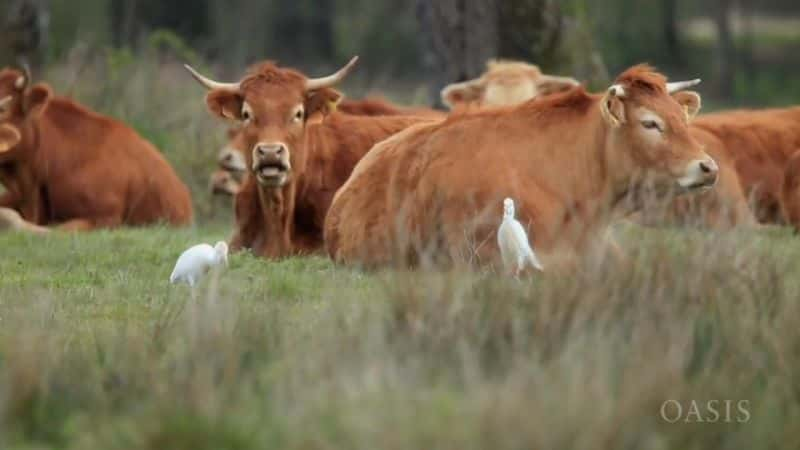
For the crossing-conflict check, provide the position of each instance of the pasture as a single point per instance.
(98, 351)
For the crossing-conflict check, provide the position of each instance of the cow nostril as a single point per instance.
(280, 150)
(228, 158)
(705, 167)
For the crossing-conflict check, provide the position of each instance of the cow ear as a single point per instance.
(547, 84)
(9, 138)
(324, 101)
(225, 104)
(458, 94)
(613, 110)
(690, 101)
(36, 99)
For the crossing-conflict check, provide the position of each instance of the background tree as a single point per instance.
(459, 36)
(724, 56)
(24, 32)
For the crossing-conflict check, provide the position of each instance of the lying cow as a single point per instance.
(227, 180)
(504, 83)
(512, 83)
(232, 165)
(790, 191)
(297, 163)
(75, 169)
(571, 161)
(761, 143)
(376, 106)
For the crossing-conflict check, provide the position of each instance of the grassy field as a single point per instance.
(98, 351)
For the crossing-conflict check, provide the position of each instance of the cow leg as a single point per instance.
(85, 224)
(11, 219)
(9, 199)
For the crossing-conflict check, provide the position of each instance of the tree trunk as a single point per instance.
(529, 30)
(24, 32)
(460, 36)
(124, 22)
(725, 64)
(669, 11)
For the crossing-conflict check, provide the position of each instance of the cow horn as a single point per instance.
(209, 83)
(617, 90)
(681, 85)
(24, 79)
(312, 84)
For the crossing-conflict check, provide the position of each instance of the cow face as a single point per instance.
(224, 183)
(649, 122)
(19, 101)
(505, 84)
(273, 106)
(232, 157)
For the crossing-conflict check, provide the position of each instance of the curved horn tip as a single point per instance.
(681, 85)
(209, 83)
(324, 82)
(617, 90)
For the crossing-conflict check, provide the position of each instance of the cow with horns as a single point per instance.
(300, 151)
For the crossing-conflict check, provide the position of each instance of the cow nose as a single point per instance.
(274, 150)
(709, 168)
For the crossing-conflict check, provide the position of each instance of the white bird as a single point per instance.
(197, 261)
(515, 249)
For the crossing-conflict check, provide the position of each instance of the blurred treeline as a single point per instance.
(746, 50)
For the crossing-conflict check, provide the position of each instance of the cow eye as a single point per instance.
(299, 115)
(651, 125)
(246, 115)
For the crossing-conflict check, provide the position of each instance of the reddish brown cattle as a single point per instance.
(504, 83)
(376, 106)
(232, 160)
(790, 192)
(760, 143)
(572, 162)
(297, 162)
(513, 83)
(232, 163)
(78, 170)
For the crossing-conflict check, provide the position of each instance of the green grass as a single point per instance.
(98, 351)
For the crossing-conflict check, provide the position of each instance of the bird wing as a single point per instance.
(192, 261)
(523, 243)
(507, 243)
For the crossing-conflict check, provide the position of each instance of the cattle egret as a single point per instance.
(197, 261)
(513, 242)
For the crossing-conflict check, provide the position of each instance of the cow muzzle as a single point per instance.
(700, 173)
(223, 183)
(271, 164)
(232, 160)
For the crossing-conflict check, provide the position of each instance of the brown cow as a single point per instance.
(79, 170)
(232, 165)
(790, 192)
(376, 106)
(298, 160)
(512, 83)
(232, 160)
(570, 161)
(504, 83)
(760, 143)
